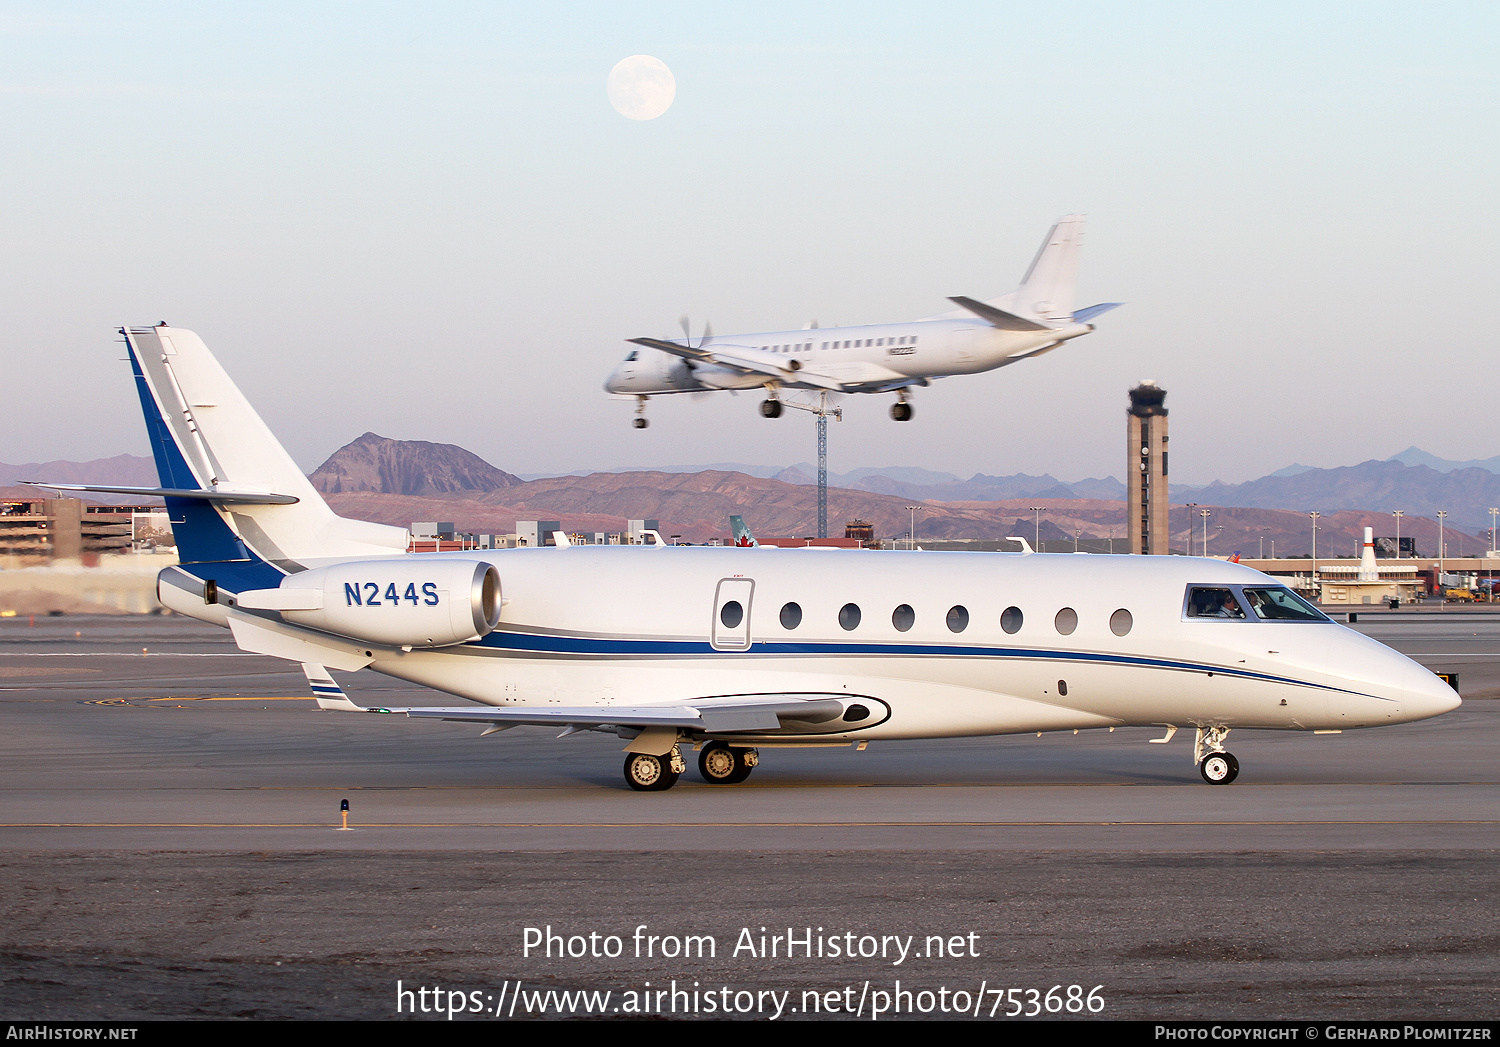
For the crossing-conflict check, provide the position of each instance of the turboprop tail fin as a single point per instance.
(1048, 290)
(232, 491)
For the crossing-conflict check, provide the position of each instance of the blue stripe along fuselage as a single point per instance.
(540, 643)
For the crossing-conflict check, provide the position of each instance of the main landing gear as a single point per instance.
(770, 408)
(901, 410)
(640, 421)
(1217, 766)
(648, 773)
(721, 765)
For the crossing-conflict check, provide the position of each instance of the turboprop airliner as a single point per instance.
(732, 651)
(979, 336)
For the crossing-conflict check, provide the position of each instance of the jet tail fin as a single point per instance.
(210, 446)
(742, 535)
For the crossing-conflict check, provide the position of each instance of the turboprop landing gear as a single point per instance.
(641, 421)
(1217, 766)
(721, 765)
(647, 773)
(901, 410)
(770, 408)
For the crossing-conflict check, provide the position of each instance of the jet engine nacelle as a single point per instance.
(413, 602)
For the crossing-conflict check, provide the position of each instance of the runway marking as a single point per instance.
(126, 654)
(201, 698)
(708, 825)
(23, 670)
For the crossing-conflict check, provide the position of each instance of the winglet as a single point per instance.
(1026, 549)
(328, 693)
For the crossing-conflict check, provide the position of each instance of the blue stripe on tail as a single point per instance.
(201, 533)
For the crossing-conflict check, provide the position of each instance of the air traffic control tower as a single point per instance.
(1146, 468)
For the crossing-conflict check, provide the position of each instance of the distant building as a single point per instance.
(636, 529)
(534, 533)
(1146, 468)
(1369, 581)
(863, 530)
(35, 532)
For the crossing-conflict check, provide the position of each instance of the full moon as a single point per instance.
(641, 87)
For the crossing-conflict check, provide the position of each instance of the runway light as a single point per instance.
(344, 811)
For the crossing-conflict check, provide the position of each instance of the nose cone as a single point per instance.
(1427, 694)
(616, 383)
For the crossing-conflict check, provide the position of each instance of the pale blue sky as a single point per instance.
(427, 220)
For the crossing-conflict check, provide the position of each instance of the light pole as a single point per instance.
(1398, 514)
(1039, 510)
(1315, 546)
(911, 536)
(1441, 515)
(1077, 534)
(1262, 547)
(1190, 507)
(1492, 528)
(1205, 513)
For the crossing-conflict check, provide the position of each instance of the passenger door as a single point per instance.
(730, 628)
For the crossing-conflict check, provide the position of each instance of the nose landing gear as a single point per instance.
(640, 421)
(1217, 766)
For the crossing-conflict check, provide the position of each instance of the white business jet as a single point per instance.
(980, 336)
(735, 651)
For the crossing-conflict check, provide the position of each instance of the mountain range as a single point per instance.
(397, 481)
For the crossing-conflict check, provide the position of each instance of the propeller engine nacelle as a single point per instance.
(411, 602)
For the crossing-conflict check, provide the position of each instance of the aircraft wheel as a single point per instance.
(721, 765)
(771, 408)
(640, 423)
(647, 773)
(901, 411)
(1219, 768)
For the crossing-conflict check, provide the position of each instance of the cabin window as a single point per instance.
(1062, 688)
(903, 618)
(731, 614)
(632, 356)
(849, 616)
(1066, 621)
(1204, 602)
(1011, 619)
(1282, 605)
(791, 616)
(958, 619)
(1120, 622)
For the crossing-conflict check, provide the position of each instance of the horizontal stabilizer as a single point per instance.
(216, 495)
(997, 317)
(1083, 316)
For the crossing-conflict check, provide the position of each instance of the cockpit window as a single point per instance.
(1204, 602)
(633, 354)
(1282, 605)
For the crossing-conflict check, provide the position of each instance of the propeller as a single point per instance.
(687, 333)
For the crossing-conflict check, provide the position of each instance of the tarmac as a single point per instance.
(172, 847)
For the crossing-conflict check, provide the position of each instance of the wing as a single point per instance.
(751, 361)
(725, 713)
